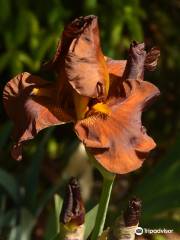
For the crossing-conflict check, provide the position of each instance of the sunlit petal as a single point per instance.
(79, 59)
(118, 141)
(116, 67)
(29, 102)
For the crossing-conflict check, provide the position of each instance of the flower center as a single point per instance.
(101, 108)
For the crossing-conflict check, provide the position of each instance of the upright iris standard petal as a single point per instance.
(85, 64)
(29, 102)
(133, 68)
(135, 62)
(80, 53)
(116, 67)
(80, 64)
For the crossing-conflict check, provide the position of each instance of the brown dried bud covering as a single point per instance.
(73, 211)
(132, 213)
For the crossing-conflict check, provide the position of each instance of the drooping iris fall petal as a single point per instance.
(117, 139)
(29, 102)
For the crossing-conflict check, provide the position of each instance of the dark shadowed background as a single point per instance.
(29, 32)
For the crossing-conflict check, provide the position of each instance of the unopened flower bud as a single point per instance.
(73, 213)
(132, 213)
(125, 226)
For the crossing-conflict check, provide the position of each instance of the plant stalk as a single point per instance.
(103, 207)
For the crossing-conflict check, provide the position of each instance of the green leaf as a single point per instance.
(57, 237)
(159, 190)
(46, 197)
(5, 132)
(7, 218)
(42, 50)
(5, 14)
(33, 22)
(25, 59)
(90, 5)
(23, 230)
(52, 226)
(90, 221)
(9, 184)
(16, 64)
(133, 23)
(4, 60)
(159, 237)
(58, 201)
(21, 27)
(32, 175)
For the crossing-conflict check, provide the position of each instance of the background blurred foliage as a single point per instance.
(29, 32)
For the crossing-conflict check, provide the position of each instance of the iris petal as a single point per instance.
(118, 141)
(79, 59)
(30, 110)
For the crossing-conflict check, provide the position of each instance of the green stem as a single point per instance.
(103, 207)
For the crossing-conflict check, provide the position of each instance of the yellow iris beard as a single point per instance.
(42, 92)
(81, 103)
(101, 108)
(35, 91)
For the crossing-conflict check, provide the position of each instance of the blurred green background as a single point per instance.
(29, 32)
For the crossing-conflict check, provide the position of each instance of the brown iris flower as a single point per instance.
(103, 97)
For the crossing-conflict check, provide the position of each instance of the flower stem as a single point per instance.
(103, 207)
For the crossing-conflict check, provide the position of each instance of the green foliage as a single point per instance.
(53, 223)
(159, 237)
(160, 192)
(29, 33)
(89, 224)
(9, 184)
(5, 130)
(23, 215)
(57, 205)
(32, 175)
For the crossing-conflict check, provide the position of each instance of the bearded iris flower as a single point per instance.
(103, 97)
